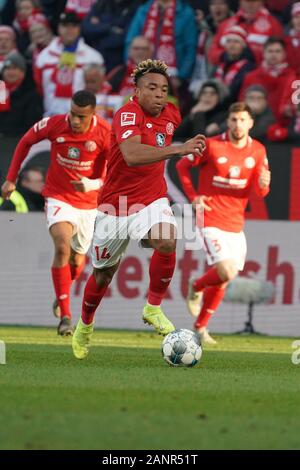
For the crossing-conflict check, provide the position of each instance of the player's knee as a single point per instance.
(166, 246)
(229, 272)
(103, 278)
(62, 250)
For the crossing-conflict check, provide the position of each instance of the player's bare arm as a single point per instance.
(136, 153)
(264, 179)
(7, 188)
(201, 203)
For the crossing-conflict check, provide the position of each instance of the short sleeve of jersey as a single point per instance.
(127, 123)
(42, 129)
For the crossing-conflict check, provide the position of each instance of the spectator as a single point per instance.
(256, 98)
(59, 67)
(218, 11)
(277, 77)
(40, 36)
(256, 21)
(24, 10)
(81, 7)
(279, 133)
(7, 42)
(105, 28)
(235, 62)
(120, 77)
(27, 196)
(293, 40)
(208, 114)
(170, 26)
(95, 82)
(279, 8)
(23, 106)
(52, 10)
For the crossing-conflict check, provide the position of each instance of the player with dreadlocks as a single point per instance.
(133, 203)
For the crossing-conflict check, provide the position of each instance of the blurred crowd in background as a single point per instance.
(218, 52)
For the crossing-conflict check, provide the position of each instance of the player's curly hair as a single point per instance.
(149, 66)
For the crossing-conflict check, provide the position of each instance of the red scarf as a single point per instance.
(274, 70)
(63, 74)
(231, 72)
(9, 88)
(127, 85)
(23, 25)
(163, 38)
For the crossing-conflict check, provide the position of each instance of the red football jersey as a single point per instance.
(227, 174)
(139, 184)
(85, 154)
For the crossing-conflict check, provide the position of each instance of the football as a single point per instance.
(182, 348)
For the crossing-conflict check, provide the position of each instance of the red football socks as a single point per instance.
(62, 285)
(210, 278)
(212, 298)
(161, 271)
(92, 297)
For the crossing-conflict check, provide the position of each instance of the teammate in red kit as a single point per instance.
(231, 166)
(79, 145)
(133, 202)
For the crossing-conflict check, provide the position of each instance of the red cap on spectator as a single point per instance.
(296, 9)
(8, 30)
(234, 31)
(38, 18)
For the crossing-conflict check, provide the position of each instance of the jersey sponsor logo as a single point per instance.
(249, 162)
(126, 134)
(60, 140)
(74, 153)
(128, 119)
(234, 171)
(160, 139)
(170, 128)
(229, 183)
(90, 145)
(222, 160)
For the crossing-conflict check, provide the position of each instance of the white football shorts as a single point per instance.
(221, 245)
(112, 234)
(83, 221)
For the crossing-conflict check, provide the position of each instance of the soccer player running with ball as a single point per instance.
(133, 201)
(231, 166)
(79, 146)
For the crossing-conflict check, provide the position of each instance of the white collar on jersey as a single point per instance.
(225, 135)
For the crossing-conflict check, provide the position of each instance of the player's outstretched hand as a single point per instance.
(201, 203)
(195, 145)
(264, 178)
(7, 188)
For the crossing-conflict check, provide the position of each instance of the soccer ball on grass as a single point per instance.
(182, 348)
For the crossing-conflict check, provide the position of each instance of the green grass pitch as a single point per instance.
(243, 395)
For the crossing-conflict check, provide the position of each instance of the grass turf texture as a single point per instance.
(243, 395)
